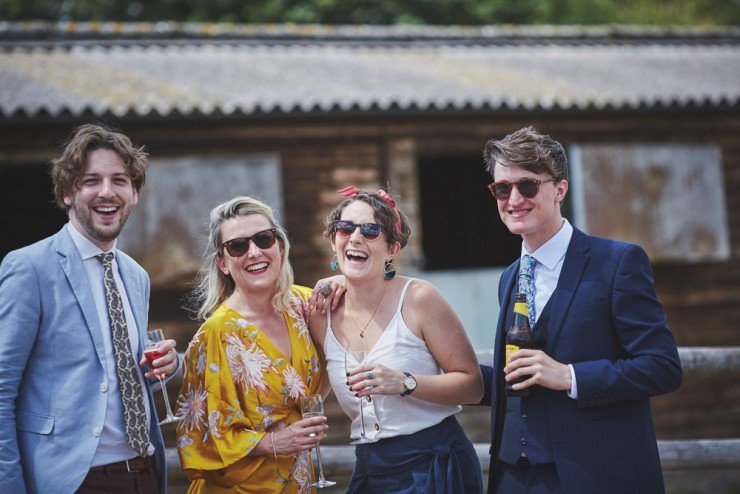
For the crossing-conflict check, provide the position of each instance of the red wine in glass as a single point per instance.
(151, 355)
(152, 352)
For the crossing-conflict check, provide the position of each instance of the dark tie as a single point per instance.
(526, 284)
(134, 414)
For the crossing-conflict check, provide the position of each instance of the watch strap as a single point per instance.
(408, 390)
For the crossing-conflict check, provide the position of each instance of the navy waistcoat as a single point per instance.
(525, 432)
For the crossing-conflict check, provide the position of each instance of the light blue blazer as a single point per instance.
(52, 367)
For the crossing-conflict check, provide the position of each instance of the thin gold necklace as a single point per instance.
(362, 330)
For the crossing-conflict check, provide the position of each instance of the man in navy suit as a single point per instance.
(603, 347)
(76, 407)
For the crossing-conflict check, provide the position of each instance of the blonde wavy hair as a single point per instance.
(212, 286)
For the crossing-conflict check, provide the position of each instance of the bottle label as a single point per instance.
(510, 350)
(521, 308)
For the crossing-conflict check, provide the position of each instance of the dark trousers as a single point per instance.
(524, 478)
(135, 476)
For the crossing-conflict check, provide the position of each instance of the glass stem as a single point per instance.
(164, 395)
(362, 419)
(321, 467)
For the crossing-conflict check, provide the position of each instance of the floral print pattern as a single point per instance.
(247, 366)
(238, 387)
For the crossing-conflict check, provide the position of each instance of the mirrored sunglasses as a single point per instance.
(237, 247)
(370, 231)
(528, 188)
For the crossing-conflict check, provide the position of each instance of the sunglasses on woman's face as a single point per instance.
(237, 247)
(345, 229)
(528, 188)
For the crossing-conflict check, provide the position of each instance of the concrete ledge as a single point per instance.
(699, 454)
(674, 455)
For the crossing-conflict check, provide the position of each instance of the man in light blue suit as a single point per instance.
(603, 347)
(76, 407)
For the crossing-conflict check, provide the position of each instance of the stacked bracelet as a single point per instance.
(272, 440)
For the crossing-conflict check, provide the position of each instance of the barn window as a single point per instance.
(460, 222)
(175, 204)
(669, 199)
(27, 209)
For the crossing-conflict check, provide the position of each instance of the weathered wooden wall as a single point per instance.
(320, 155)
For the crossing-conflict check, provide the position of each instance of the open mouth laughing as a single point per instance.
(106, 210)
(355, 255)
(257, 268)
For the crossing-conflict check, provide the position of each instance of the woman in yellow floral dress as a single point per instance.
(249, 363)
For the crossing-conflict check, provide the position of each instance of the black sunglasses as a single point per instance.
(370, 231)
(237, 247)
(528, 188)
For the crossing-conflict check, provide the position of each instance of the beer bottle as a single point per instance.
(519, 336)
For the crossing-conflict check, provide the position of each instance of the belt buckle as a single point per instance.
(131, 468)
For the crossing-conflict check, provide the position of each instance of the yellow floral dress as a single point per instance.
(237, 388)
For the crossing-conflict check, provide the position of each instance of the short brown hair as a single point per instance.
(528, 149)
(67, 168)
(383, 214)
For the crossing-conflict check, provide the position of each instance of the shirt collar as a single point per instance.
(86, 248)
(552, 251)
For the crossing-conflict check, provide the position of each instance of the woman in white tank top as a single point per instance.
(419, 365)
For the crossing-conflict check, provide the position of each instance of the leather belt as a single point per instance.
(134, 465)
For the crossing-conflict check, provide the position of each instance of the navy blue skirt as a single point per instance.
(437, 460)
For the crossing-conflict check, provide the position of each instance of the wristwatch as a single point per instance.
(409, 383)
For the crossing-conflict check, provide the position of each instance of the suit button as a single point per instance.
(369, 399)
(524, 418)
(97, 431)
(103, 387)
(523, 441)
(377, 426)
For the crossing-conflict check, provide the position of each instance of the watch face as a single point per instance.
(409, 382)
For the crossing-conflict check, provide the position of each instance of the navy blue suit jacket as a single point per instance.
(607, 322)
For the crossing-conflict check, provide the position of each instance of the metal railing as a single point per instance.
(695, 454)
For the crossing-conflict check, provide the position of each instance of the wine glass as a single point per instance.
(152, 352)
(353, 358)
(313, 406)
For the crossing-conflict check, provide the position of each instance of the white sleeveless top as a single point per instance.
(387, 415)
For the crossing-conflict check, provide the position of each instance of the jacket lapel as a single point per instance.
(71, 264)
(576, 259)
(508, 279)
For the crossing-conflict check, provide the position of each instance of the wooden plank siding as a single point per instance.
(322, 154)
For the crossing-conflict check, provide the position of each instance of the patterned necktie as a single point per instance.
(134, 414)
(526, 284)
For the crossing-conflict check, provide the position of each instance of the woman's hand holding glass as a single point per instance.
(372, 378)
(299, 436)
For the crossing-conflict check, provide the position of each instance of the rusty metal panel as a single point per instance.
(167, 229)
(668, 198)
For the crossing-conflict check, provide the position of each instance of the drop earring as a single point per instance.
(334, 263)
(390, 270)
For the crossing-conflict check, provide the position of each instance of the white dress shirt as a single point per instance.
(550, 258)
(113, 445)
